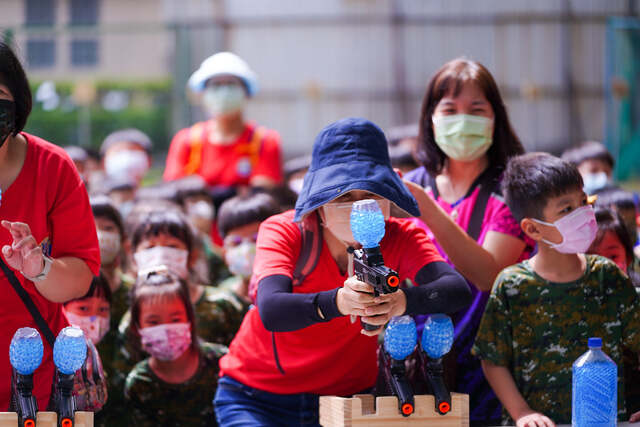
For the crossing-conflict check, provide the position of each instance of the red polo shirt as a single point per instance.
(331, 358)
(50, 197)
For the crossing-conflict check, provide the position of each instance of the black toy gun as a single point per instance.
(69, 354)
(400, 340)
(437, 338)
(368, 228)
(25, 355)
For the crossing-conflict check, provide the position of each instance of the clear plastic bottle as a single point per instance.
(595, 388)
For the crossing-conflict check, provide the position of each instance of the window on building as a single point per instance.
(41, 53)
(40, 12)
(84, 53)
(83, 12)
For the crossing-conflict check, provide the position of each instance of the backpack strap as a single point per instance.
(488, 184)
(254, 146)
(196, 141)
(310, 249)
(29, 304)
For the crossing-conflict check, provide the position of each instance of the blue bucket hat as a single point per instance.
(351, 154)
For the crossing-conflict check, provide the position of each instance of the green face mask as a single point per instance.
(463, 137)
(223, 99)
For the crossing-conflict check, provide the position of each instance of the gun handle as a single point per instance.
(26, 403)
(436, 381)
(404, 393)
(66, 402)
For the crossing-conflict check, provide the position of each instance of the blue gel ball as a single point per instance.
(25, 350)
(437, 336)
(401, 337)
(69, 350)
(367, 223)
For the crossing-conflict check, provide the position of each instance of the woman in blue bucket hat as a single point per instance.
(301, 340)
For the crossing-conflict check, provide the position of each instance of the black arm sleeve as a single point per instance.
(440, 289)
(283, 311)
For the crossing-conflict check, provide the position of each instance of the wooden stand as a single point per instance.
(359, 411)
(47, 419)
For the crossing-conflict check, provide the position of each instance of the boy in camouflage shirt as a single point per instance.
(542, 311)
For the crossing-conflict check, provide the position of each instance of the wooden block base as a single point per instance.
(360, 411)
(47, 419)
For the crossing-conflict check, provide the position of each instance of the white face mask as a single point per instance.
(201, 209)
(166, 342)
(240, 258)
(594, 181)
(175, 260)
(129, 164)
(337, 218)
(224, 99)
(94, 327)
(109, 242)
(296, 184)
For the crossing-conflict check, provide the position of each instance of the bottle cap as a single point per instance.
(595, 342)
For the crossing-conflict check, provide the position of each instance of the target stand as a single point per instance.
(47, 419)
(359, 410)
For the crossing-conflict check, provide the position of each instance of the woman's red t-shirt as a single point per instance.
(50, 197)
(331, 358)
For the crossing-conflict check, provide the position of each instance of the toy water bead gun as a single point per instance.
(400, 341)
(437, 339)
(69, 354)
(367, 227)
(25, 355)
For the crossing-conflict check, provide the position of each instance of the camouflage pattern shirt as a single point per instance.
(537, 329)
(154, 402)
(219, 314)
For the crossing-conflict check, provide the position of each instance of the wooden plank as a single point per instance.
(46, 419)
(358, 411)
(83, 419)
(8, 419)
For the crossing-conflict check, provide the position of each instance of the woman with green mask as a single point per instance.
(464, 144)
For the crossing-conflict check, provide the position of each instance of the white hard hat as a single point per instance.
(223, 63)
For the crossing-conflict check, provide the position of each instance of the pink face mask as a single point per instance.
(578, 229)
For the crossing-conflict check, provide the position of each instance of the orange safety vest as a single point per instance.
(197, 138)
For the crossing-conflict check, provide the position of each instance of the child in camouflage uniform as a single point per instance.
(175, 386)
(167, 233)
(239, 219)
(542, 311)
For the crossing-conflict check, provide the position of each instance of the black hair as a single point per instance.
(243, 210)
(590, 150)
(531, 179)
(616, 197)
(451, 77)
(158, 222)
(99, 288)
(398, 133)
(132, 135)
(190, 186)
(609, 220)
(103, 207)
(156, 287)
(13, 76)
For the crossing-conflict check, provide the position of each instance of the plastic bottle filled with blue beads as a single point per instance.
(26, 350)
(367, 223)
(437, 335)
(401, 337)
(595, 388)
(69, 350)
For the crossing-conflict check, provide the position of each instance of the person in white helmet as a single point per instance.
(226, 150)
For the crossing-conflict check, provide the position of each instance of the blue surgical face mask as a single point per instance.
(594, 181)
